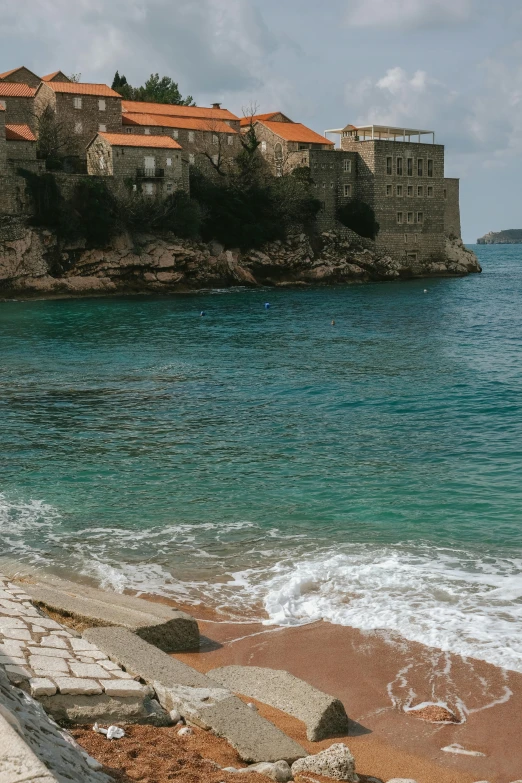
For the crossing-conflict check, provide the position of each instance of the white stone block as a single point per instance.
(11, 622)
(42, 663)
(52, 652)
(54, 641)
(121, 675)
(65, 634)
(127, 688)
(11, 659)
(76, 686)
(109, 665)
(17, 673)
(38, 629)
(16, 633)
(89, 670)
(41, 686)
(83, 644)
(48, 623)
(12, 647)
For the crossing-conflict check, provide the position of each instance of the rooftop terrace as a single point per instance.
(383, 132)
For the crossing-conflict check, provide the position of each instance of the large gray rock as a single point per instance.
(335, 762)
(323, 715)
(163, 626)
(198, 698)
(32, 747)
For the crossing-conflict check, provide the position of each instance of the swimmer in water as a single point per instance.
(333, 322)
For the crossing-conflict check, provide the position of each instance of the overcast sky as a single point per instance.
(454, 66)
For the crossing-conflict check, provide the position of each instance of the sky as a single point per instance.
(454, 66)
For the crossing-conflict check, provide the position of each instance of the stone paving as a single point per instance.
(46, 659)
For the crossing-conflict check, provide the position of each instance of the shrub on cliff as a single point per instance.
(177, 213)
(359, 217)
(97, 213)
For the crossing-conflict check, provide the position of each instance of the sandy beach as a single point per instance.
(376, 677)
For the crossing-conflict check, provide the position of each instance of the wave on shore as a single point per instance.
(469, 603)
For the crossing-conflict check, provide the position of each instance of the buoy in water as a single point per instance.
(333, 322)
(267, 305)
(202, 313)
(425, 290)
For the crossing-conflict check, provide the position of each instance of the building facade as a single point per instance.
(21, 75)
(80, 110)
(280, 138)
(19, 102)
(149, 164)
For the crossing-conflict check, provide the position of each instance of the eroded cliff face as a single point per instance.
(34, 262)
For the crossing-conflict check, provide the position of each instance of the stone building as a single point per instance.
(205, 142)
(210, 113)
(21, 75)
(81, 110)
(21, 148)
(3, 144)
(151, 164)
(56, 76)
(280, 138)
(19, 102)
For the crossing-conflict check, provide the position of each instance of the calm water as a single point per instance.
(267, 461)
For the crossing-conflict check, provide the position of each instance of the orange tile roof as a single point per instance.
(50, 76)
(295, 131)
(80, 88)
(133, 140)
(245, 121)
(188, 123)
(19, 133)
(172, 110)
(13, 70)
(14, 90)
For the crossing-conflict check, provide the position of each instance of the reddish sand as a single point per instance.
(376, 677)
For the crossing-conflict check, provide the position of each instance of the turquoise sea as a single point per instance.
(267, 462)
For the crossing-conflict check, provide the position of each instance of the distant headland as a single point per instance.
(512, 236)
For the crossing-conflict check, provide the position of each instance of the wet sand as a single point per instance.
(376, 676)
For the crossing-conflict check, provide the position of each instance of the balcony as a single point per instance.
(154, 173)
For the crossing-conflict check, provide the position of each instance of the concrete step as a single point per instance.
(323, 715)
(198, 698)
(161, 625)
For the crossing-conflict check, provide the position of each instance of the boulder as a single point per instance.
(335, 762)
(279, 771)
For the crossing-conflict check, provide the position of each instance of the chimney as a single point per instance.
(216, 106)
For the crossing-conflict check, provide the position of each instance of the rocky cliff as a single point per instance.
(34, 262)
(511, 236)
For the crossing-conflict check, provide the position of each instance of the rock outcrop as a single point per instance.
(34, 262)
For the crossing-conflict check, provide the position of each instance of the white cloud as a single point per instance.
(408, 13)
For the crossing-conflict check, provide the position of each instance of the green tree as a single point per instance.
(358, 216)
(155, 90)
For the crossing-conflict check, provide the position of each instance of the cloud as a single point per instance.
(408, 13)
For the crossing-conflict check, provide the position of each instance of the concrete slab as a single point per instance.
(162, 626)
(198, 698)
(323, 715)
(33, 748)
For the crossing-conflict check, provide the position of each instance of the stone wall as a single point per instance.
(409, 205)
(278, 152)
(23, 76)
(20, 111)
(452, 208)
(3, 145)
(14, 198)
(21, 151)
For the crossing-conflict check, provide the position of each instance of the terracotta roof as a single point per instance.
(79, 88)
(188, 123)
(133, 140)
(245, 121)
(19, 133)
(172, 110)
(14, 90)
(294, 131)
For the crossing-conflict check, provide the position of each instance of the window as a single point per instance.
(399, 217)
(415, 238)
(410, 190)
(215, 160)
(169, 161)
(230, 140)
(388, 165)
(430, 168)
(169, 187)
(347, 166)
(148, 188)
(405, 239)
(303, 146)
(399, 166)
(192, 158)
(420, 167)
(146, 131)
(388, 190)
(191, 137)
(324, 185)
(410, 217)
(215, 139)
(347, 190)
(128, 130)
(78, 127)
(101, 104)
(420, 217)
(175, 134)
(2, 104)
(420, 191)
(411, 256)
(331, 185)
(263, 146)
(409, 167)
(399, 191)
(445, 193)
(102, 128)
(77, 103)
(430, 192)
